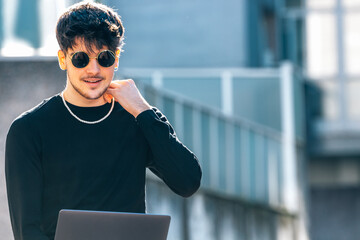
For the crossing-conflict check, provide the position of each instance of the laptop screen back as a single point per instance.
(94, 225)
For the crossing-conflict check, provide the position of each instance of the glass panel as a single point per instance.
(266, 109)
(329, 99)
(320, 3)
(352, 43)
(151, 95)
(353, 99)
(141, 80)
(351, 3)
(321, 45)
(194, 88)
(169, 110)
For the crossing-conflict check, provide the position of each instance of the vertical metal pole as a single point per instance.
(157, 82)
(227, 93)
(290, 193)
(157, 79)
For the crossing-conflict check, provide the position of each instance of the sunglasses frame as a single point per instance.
(97, 58)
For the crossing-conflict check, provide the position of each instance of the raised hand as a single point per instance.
(127, 94)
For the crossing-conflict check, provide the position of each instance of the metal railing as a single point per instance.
(239, 158)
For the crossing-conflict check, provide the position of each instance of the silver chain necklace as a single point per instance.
(84, 121)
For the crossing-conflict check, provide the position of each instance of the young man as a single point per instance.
(88, 147)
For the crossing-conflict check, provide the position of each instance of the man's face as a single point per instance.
(88, 83)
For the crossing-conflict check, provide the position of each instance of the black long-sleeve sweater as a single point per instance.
(53, 161)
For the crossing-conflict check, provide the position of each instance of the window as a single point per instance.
(321, 45)
(352, 43)
(316, 4)
(351, 3)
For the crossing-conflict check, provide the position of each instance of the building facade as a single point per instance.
(226, 73)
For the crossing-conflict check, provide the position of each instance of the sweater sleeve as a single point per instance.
(170, 160)
(24, 181)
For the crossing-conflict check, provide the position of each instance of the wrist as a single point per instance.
(140, 109)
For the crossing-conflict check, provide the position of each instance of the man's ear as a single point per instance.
(117, 54)
(61, 59)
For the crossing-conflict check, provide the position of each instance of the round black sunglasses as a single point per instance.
(81, 59)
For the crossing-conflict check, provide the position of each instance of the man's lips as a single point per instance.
(92, 80)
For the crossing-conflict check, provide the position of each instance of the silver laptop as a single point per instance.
(94, 225)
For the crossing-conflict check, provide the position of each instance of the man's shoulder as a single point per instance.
(40, 111)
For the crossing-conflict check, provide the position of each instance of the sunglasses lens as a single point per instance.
(106, 58)
(80, 59)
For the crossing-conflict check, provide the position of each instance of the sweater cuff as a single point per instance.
(147, 118)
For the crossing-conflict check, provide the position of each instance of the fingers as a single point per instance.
(118, 89)
(119, 83)
(127, 94)
(119, 86)
(123, 80)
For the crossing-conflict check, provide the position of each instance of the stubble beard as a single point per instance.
(84, 94)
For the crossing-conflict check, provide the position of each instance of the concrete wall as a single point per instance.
(335, 213)
(22, 86)
(334, 198)
(188, 33)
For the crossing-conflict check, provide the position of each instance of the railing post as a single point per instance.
(288, 137)
(227, 93)
(157, 82)
(157, 79)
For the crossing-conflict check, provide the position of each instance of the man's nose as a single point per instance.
(93, 66)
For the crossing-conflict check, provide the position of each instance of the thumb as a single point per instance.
(108, 97)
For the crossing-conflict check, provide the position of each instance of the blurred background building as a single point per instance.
(264, 92)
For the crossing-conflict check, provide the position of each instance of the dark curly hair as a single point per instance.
(96, 24)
